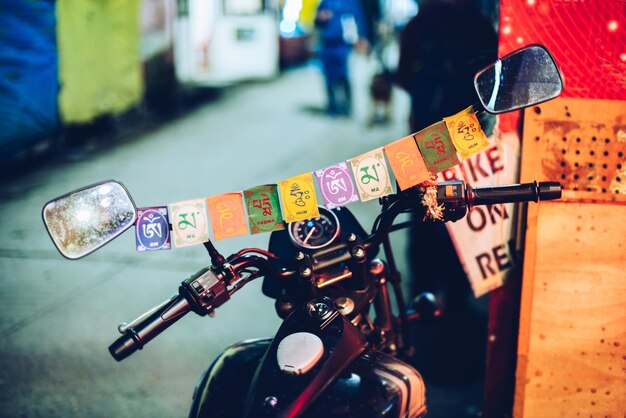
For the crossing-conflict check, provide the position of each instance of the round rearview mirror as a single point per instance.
(84, 220)
(522, 78)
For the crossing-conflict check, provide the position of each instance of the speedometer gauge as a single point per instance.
(313, 234)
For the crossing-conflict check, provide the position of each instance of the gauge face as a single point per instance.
(315, 233)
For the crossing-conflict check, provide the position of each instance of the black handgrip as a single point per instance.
(514, 193)
(144, 329)
(550, 190)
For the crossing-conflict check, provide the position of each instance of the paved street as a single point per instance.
(57, 317)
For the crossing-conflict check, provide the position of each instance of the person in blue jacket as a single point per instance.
(341, 27)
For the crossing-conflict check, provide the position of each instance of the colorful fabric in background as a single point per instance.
(371, 175)
(336, 185)
(406, 162)
(190, 224)
(152, 229)
(28, 75)
(227, 216)
(108, 46)
(436, 147)
(298, 197)
(467, 136)
(264, 214)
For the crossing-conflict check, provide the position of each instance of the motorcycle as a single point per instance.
(344, 344)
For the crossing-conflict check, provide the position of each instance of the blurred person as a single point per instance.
(381, 88)
(382, 45)
(341, 27)
(399, 12)
(441, 48)
(373, 14)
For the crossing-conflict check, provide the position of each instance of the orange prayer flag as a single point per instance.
(406, 162)
(227, 215)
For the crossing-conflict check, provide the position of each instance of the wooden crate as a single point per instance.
(572, 339)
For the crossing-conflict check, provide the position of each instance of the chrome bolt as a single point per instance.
(299, 256)
(358, 252)
(351, 237)
(270, 402)
(345, 305)
(306, 272)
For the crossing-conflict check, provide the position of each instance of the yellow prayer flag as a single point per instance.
(298, 198)
(227, 215)
(406, 162)
(467, 135)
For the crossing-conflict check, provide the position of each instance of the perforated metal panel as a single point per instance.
(579, 142)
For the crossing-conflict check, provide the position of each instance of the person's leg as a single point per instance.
(345, 106)
(329, 65)
(332, 106)
(347, 88)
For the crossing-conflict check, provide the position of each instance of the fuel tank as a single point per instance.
(374, 385)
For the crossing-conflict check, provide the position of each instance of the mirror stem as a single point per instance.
(478, 108)
(217, 259)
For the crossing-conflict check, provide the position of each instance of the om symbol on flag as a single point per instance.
(336, 185)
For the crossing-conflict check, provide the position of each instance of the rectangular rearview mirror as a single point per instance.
(84, 220)
(523, 78)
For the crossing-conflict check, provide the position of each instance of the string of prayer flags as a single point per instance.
(152, 229)
(436, 147)
(189, 222)
(406, 162)
(264, 214)
(371, 175)
(336, 185)
(227, 216)
(298, 197)
(412, 159)
(467, 135)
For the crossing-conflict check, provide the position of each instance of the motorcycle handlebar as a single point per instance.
(458, 196)
(144, 329)
(202, 293)
(526, 192)
(207, 291)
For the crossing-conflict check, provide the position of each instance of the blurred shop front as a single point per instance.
(69, 68)
(221, 42)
